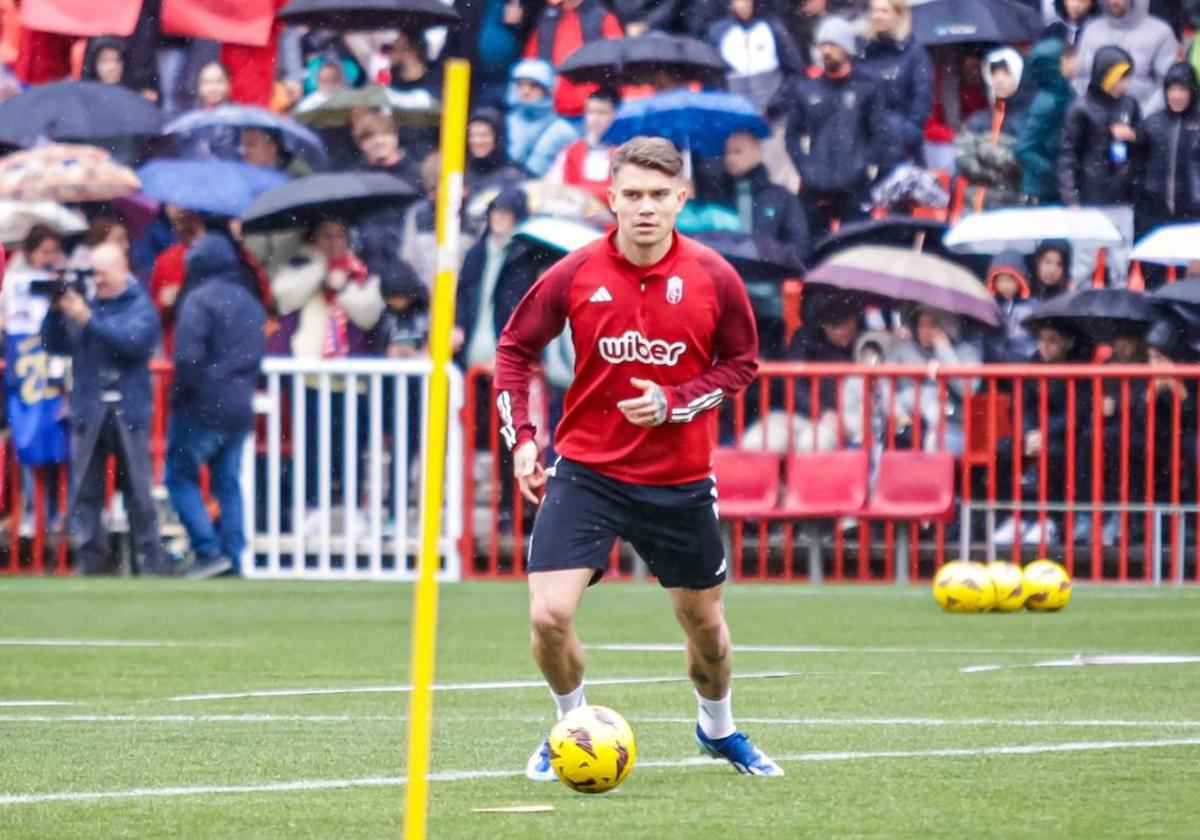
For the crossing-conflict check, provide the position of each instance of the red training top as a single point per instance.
(684, 323)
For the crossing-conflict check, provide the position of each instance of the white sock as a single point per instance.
(569, 701)
(716, 716)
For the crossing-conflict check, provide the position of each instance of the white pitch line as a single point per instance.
(673, 647)
(815, 722)
(106, 643)
(484, 686)
(307, 785)
(1079, 661)
(15, 704)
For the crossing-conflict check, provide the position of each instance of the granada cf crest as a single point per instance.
(674, 289)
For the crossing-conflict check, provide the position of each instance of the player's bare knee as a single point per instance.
(703, 625)
(551, 622)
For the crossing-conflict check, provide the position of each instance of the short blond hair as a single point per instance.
(904, 13)
(657, 153)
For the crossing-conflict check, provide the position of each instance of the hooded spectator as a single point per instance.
(535, 133)
(485, 301)
(771, 214)
(565, 26)
(1051, 269)
(830, 329)
(1100, 138)
(1051, 65)
(1149, 42)
(587, 162)
(985, 145)
(833, 130)
(104, 61)
(486, 158)
(1006, 282)
(1171, 183)
(218, 353)
(1070, 17)
(404, 327)
(757, 48)
(905, 75)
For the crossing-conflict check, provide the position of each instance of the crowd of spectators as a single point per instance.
(1100, 110)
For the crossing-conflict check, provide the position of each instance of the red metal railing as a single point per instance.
(1125, 468)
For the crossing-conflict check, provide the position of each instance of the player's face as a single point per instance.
(646, 203)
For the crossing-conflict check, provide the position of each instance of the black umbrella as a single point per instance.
(1102, 314)
(79, 111)
(626, 60)
(924, 235)
(341, 195)
(755, 258)
(975, 21)
(368, 14)
(1185, 292)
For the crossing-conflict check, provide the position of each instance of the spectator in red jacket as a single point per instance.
(566, 25)
(166, 279)
(587, 162)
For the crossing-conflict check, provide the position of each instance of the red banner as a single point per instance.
(81, 17)
(246, 22)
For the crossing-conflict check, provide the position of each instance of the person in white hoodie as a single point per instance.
(1148, 40)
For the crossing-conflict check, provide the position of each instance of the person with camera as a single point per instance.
(110, 337)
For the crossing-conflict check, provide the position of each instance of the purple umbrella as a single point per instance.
(901, 274)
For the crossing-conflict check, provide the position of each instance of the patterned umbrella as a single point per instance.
(65, 173)
(411, 109)
(900, 274)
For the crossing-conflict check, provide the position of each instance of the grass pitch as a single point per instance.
(881, 733)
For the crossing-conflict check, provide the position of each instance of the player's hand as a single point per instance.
(648, 410)
(531, 475)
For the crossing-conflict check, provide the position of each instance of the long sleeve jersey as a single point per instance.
(684, 323)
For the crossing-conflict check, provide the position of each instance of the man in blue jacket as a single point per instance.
(110, 339)
(219, 347)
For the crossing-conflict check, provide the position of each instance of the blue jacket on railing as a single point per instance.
(110, 353)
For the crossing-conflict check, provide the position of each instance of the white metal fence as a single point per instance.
(335, 491)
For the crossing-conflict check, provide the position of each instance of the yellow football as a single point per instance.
(592, 749)
(961, 586)
(1049, 586)
(1011, 589)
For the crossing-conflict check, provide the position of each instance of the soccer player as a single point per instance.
(663, 331)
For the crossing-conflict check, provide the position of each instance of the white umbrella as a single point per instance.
(564, 235)
(18, 217)
(1169, 245)
(1023, 228)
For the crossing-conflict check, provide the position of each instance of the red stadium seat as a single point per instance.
(913, 485)
(747, 483)
(825, 485)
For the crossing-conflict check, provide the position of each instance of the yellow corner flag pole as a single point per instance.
(425, 598)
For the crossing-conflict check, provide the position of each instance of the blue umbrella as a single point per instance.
(215, 187)
(81, 111)
(215, 132)
(699, 122)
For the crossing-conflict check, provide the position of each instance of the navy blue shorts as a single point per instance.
(673, 528)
